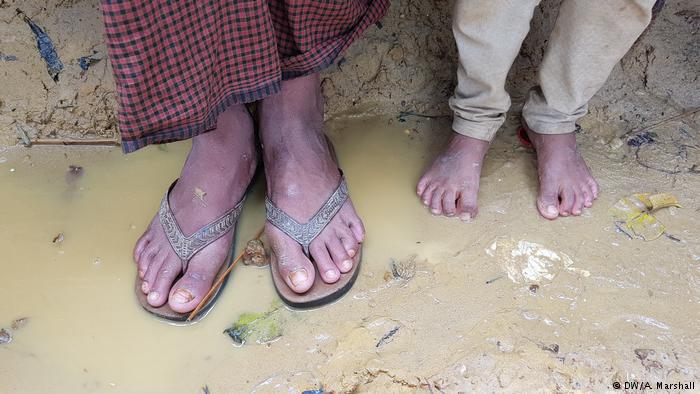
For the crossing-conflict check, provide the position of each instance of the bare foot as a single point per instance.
(451, 184)
(301, 175)
(566, 184)
(214, 179)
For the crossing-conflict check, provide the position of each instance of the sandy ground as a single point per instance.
(510, 302)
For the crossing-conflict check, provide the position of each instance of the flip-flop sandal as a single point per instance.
(320, 293)
(186, 248)
(523, 137)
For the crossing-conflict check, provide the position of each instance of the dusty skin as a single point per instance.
(509, 302)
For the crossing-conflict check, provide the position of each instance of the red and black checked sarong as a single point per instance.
(179, 64)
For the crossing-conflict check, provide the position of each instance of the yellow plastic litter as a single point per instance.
(635, 213)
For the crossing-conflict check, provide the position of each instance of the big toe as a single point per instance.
(158, 292)
(293, 266)
(196, 282)
(548, 202)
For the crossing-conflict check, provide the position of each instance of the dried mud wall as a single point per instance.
(407, 63)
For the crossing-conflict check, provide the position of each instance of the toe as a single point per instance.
(587, 196)
(293, 265)
(467, 205)
(189, 290)
(158, 293)
(339, 255)
(436, 201)
(579, 199)
(568, 197)
(141, 245)
(325, 264)
(144, 259)
(427, 196)
(449, 200)
(422, 184)
(594, 187)
(151, 273)
(349, 242)
(354, 223)
(548, 202)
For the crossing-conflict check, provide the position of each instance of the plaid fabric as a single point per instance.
(179, 64)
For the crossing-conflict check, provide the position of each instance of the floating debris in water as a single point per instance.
(46, 48)
(255, 254)
(404, 269)
(640, 139)
(5, 336)
(73, 174)
(19, 323)
(23, 135)
(554, 348)
(260, 327)
(388, 337)
(86, 61)
(7, 58)
(634, 213)
(58, 238)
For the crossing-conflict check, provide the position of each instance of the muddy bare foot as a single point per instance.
(214, 179)
(566, 183)
(451, 185)
(301, 175)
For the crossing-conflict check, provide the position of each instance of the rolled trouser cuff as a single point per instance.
(545, 117)
(546, 127)
(478, 130)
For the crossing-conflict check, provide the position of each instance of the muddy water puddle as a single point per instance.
(507, 302)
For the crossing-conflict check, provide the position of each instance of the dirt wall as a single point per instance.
(407, 63)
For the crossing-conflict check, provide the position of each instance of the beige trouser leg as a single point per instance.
(489, 34)
(589, 38)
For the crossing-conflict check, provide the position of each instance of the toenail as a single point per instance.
(144, 286)
(298, 277)
(466, 217)
(332, 274)
(435, 211)
(351, 252)
(183, 296)
(153, 296)
(551, 210)
(347, 264)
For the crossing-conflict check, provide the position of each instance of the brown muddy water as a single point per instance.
(509, 302)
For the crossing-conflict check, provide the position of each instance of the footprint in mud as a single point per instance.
(530, 262)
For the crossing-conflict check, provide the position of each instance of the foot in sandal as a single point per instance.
(301, 177)
(213, 181)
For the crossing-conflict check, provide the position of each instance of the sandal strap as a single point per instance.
(305, 233)
(186, 247)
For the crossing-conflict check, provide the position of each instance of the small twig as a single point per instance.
(91, 142)
(218, 283)
(488, 282)
(664, 121)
